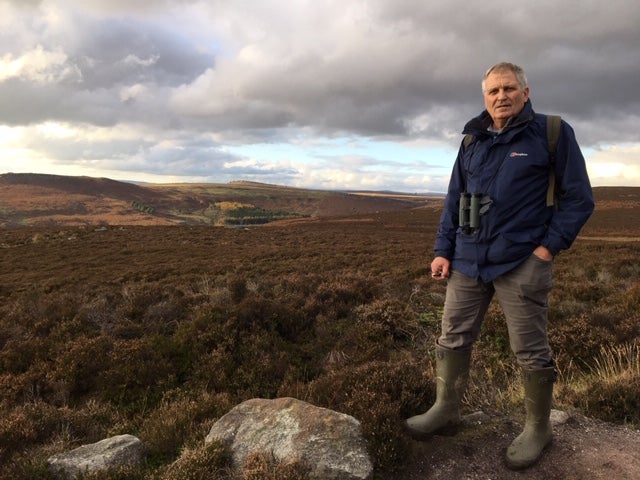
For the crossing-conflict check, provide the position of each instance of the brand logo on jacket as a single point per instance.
(519, 154)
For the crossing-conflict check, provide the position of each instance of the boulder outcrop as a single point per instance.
(329, 443)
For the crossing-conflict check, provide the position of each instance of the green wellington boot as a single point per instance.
(452, 372)
(527, 448)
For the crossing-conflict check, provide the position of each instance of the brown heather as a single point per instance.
(157, 331)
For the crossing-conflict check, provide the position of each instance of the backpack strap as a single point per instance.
(554, 123)
(553, 134)
(468, 138)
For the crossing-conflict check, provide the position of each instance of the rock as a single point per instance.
(558, 417)
(330, 443)
(111, 452)
(475, 418)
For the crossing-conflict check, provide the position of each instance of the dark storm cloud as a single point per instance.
(379, 65)
(101, 58)
(116, 52)
(391, 62)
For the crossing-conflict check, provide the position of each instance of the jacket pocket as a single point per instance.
(505, 250)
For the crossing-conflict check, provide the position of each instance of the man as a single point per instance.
(498, 236)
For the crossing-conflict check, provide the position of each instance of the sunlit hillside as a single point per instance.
(47, 200)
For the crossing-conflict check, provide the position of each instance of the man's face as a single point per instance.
(503, 96)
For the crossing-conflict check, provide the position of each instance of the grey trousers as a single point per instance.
(523, 296)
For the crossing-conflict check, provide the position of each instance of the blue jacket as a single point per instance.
(513, 168)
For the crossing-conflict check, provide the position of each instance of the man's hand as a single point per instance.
(543, 253)
(440, 268)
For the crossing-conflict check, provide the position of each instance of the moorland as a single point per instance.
(153, 310)
(56, 200)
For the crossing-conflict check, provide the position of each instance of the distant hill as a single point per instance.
(49, 200)
(28, 199)
(77, 185)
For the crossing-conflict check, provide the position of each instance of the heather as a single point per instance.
(158, 331)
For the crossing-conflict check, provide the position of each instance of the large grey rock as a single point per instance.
(330, 443)
(111, 452)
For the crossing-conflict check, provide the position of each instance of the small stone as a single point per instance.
(558, 417)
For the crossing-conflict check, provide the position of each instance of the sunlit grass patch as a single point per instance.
(609, 390)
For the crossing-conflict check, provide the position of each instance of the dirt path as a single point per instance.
(612, 239)
(583, 449)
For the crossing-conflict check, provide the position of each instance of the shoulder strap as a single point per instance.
(553, 134)
(468, 138)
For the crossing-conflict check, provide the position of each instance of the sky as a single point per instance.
(327, 94)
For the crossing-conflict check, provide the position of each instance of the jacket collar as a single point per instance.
(479, 125)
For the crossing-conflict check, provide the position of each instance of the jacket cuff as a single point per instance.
(554, 251)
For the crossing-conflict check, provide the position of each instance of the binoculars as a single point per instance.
(472, 206)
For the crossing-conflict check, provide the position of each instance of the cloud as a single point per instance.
(386, 68)
(190, 79)
(616, 165)
(39, 66)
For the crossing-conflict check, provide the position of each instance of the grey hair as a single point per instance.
(507, 67)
